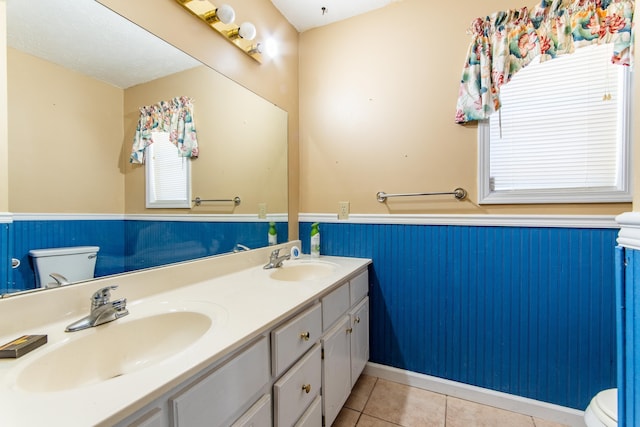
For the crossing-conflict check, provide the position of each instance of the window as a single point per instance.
(168, 176)
(562, 134)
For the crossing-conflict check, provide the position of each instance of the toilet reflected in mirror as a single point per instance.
(62, 266)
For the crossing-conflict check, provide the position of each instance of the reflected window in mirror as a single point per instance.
(168, 175)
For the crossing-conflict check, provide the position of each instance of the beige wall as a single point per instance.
(275, 80)
(242, 140)
(636, 121)
(4, 136)
(66, 139)
(378, 97)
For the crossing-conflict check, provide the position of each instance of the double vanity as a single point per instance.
(218, 341)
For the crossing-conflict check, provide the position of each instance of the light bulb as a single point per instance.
(226, 14)
(247, 31)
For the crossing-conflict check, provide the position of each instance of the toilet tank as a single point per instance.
(74, 263)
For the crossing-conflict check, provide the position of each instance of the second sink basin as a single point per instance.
(303, 270)
(112, 350)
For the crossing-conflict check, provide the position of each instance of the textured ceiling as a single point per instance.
(87, 37)
(307, 14)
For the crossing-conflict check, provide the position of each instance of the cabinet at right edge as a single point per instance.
(345, 343)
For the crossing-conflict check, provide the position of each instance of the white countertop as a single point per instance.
(234, 290)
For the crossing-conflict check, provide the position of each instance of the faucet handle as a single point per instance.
(275, 253)
(102, 296)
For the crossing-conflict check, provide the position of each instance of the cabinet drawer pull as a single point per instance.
(307, 388)
(357, 319)
(349, 330)
(305, 336)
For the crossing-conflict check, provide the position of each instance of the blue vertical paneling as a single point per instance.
(35, 234)
(5, 266)
(621, 347)
(527, 311)
(629, 342)
(153, 243)
(127, 245)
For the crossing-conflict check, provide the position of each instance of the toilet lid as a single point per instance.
(607, 402)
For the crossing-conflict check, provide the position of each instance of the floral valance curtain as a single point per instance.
(176, 118)
(505, 42)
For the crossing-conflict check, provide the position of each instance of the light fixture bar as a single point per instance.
(210, 15)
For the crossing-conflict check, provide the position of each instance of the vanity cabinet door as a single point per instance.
(359, 317)
(296, 336)
(336, 369)
(297, 389)
(216, 399)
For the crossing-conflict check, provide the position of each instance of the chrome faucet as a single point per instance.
(240, 247)
(275, 260)
(103, 310)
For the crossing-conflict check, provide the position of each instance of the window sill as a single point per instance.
(554, 196)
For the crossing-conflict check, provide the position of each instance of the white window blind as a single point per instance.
(561, 134)
(168, 175)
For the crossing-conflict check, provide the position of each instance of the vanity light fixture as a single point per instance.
(221, 20)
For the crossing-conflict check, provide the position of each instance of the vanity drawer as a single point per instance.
(296, 336)
(313, 416)
(215, 399)
(297, 389)
(359, 287)
(259, 415)
(334, 305)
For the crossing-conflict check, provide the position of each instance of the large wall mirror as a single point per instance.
(78, 74)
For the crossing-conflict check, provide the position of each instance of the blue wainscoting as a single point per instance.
(5, 248)
(153, 243)
(628, 296)
(127, 245)
(39, 234)
(522, 310)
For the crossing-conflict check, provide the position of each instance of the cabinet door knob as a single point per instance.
(305, 336)
(349, 330)
(357, 319)
(307, 388)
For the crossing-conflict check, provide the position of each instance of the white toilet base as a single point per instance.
(602, 411)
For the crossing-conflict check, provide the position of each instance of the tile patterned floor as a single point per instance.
(375, 402)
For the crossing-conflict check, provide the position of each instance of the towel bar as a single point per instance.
(459, 193)
(198, 201)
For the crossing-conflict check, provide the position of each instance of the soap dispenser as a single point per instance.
(273, 234)
(315, 239)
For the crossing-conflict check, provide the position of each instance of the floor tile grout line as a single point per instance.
(446, 408)
(375, 383)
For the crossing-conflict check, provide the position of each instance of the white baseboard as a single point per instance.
(509, 402)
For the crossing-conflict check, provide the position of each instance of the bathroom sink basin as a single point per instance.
(113, 349)
(303, 270)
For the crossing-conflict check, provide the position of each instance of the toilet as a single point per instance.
(603, 409)
(72, 264)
